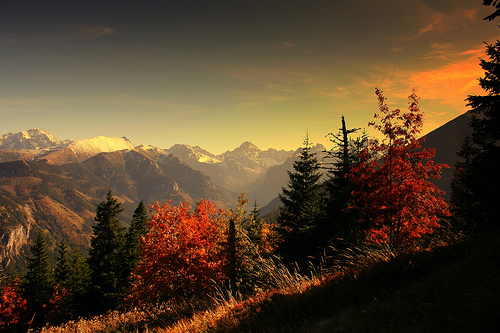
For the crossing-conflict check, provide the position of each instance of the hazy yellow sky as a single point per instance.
(217, 73)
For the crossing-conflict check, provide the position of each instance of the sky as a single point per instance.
(218, 73)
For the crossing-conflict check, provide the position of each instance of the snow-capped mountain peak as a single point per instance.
(34, 138)
(100, 144)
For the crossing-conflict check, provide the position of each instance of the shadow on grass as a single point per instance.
(451, 289)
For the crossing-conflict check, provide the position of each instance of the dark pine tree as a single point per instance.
(302, 209)
(475, 194)
(62, 270)
(132, 246)
(104, 256)
(255, 225)
(79, 284)
(340, 227)
(38, 283)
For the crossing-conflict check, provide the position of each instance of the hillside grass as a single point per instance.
(453, 288)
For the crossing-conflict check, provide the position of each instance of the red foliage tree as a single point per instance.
(393, 192)
(12, 308)
(181, 253)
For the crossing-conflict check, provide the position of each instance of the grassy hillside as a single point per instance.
(454, 288)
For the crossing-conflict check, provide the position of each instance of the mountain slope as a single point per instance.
(447, 139)
(61, 199)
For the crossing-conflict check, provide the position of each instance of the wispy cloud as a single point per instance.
(265, 84)
(432, 21)
(448, 84)
(62, 34)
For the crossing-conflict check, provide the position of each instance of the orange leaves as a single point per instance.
(181, 253)
(12, 307)
(391, 187)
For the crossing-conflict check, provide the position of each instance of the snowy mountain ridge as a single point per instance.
(233, 169)
(100, 144)
(34, 138)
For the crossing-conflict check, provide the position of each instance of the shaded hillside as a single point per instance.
(37, 195)
(447, 139)
(450, 289)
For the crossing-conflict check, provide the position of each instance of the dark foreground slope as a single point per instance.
(451, 289)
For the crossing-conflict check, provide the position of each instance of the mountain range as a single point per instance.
(56, 185)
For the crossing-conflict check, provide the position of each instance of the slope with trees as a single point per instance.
(475, 194)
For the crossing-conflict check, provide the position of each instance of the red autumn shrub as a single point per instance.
(12, 308)
(181, 255)
(392, 189)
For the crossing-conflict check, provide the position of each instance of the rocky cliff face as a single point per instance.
(15, 239)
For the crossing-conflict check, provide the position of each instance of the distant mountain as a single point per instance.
(80, 150)
(32, 139)
(36, 144)
(234, 170)
(270, 184)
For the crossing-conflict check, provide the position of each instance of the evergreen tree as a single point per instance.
(341, 225)
(72, 276)
(62, 270)
(79, 283)
(38, 282)
(475, 194)
(242, 253)
(132, 246)
(255, 225)
(302, 208)
(104, 255)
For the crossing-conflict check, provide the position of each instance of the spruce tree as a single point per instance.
(255, 225)
(38, 283)
(62, 270)
(132, 246)
(475, 194)
(340, 227)
(302, 208)
(79, 284)
(241, 251)
(104, 255)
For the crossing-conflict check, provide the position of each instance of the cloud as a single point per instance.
(432, 21)
(265, 84)
(449, 84)
(76, 34)
(62, 34)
